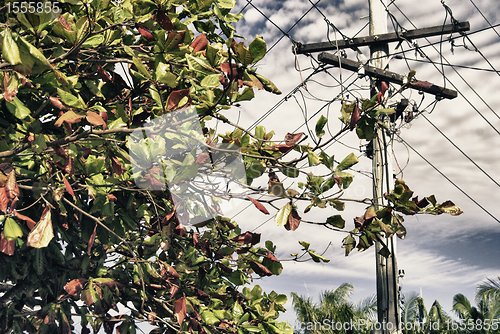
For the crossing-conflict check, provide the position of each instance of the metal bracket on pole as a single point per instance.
(382, 38)
(387, 76)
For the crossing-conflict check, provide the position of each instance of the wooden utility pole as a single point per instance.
(387, 281)
(387, 269)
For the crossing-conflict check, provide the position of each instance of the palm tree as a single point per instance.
(334, 308)
(416, 319)
(485, 317)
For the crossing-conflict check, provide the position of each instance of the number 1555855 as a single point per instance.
(33, 7)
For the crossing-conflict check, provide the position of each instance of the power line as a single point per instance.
(475, 164)
(463, 79)
(485, 18)
(448, 179)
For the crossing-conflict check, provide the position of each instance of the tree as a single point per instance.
(334, 308)
(81, 235)
(483, 318)
(89, 224)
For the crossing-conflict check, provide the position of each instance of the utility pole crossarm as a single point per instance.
(385, 75)
(383, 38)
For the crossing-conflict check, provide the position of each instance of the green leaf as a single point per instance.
(37, 54)
(313, 158)
(268, 85)
(336, 221)
(209, 318)
(348, 162)
(348, 243)
(244, 54)
(10, 50)
(17, 108)
(93, 41)
(211, 81)
(71, 100)
(260, 131)
(141, 68)
(226, 3)
(346, 178)
(318, 258)
(237, 311)
(258, 48)
(365, 128)
(387, 111)
(39, 144)
(12, 230)
(304, 244)
(281, 217)
(320, 125)
(246, 95)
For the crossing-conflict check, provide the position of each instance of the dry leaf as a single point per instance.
(56, 102)
(41, 235)
(31, 223)
(180, 309)
(11, 188)
(75, 286)
(7, 246)
(68, 187)
(94, 119)
(258, 205)
(68, 117)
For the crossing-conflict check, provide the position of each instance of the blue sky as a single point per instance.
(442, 255)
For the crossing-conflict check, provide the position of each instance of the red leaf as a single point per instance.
(175, 97)
(201, 158)
(293, 138)
(260, 269)
(24, 81)
(8, 95)
(247, 238)
(75, 286)
(354, 117)
(31, 223)
(174, 39)
(258, 205)
(109, 326)
(63, 22)
(293, 221)
(145, 32)
(164, 21)
(59, 151)
(271, 257)
(180, 309)
(117, 166)
(111, 197)
(165, 269)
(11, 189)
(199, 43)
(103, 74)
(91, 240)
(383, 87)
(7, 246)
(68, 117)
(104, 116)
(151, 318)
(225, 68)
(68, 187)
(95, 119)
(68, 167)
(4, 201)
